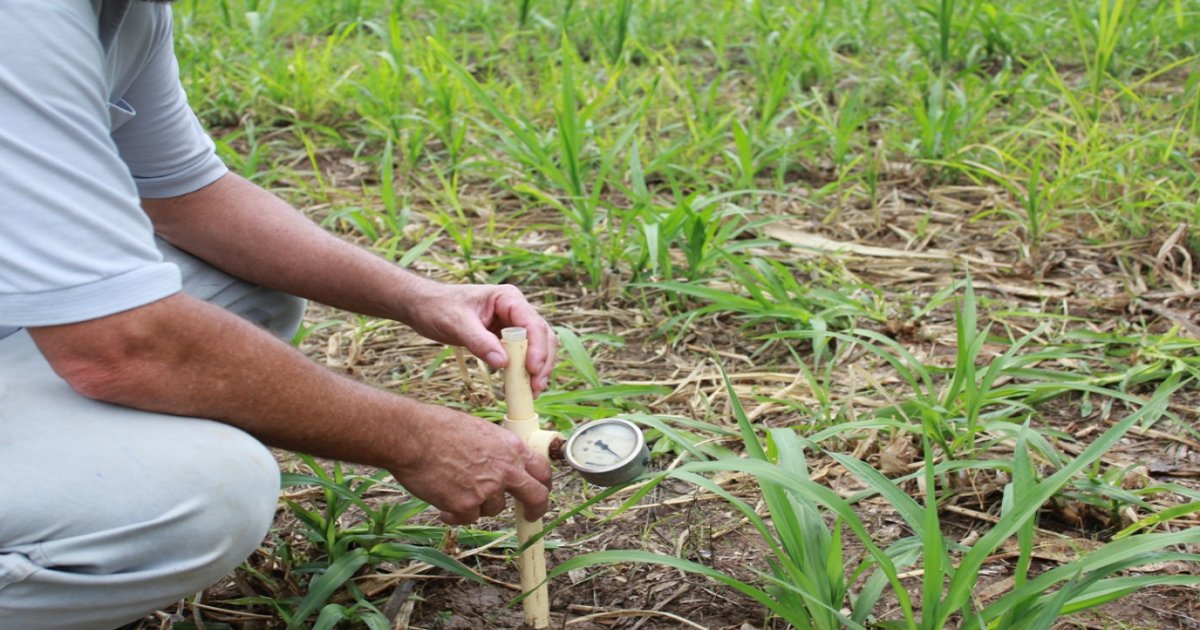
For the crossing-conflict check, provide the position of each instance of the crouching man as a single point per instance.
(145, 296)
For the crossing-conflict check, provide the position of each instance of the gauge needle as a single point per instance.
(604, 446)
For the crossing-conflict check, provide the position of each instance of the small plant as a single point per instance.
(842, 124)
(767, 291)
(348, 532)
(562, 163)
(1035, 196)
(951, 21)
(596, 398)
(611, 24)
(960, 414)
(524, 7)
(1102, 35)
(947, 115)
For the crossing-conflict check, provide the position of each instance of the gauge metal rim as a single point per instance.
(633, 455)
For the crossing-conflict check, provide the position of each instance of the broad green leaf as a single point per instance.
(327, 583)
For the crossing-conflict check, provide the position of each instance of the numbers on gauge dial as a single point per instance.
(604, 446)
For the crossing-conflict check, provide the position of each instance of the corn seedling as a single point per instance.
(1101, 35)
(949, 21)
(611, 24)
(947, 115)
(342, 545)
(768, 291)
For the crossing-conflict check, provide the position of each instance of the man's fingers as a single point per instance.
(514, 310)
(532, 494)
(538, 468)
(541, 379)
(539, 359)
(483, 344)
(459, 518)
(494, 505)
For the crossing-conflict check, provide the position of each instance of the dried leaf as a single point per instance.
(897, 455)
(819, 243)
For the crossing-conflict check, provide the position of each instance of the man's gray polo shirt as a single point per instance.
(92, 117)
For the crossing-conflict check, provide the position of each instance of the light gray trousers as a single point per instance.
(108, 513)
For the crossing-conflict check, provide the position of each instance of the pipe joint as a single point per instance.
(548, 444)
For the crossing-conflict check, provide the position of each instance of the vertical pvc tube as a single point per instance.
(521, 419)
(518, 393)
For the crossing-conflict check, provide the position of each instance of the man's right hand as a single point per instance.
(465, 466)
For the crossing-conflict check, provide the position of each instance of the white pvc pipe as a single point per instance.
(522, 420)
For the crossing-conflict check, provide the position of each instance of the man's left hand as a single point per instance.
(472, 316)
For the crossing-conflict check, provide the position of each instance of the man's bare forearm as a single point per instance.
(251, 234)
(185, 357)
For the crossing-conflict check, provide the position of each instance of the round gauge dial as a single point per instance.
(608, 452)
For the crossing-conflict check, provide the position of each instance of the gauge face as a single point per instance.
(608, 452)
(604, 446)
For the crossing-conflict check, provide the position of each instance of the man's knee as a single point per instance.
(215, 523)
(198, 523)
(231, 506)
(208, 506)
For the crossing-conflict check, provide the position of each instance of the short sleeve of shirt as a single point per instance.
(74, 242)
(165, 147)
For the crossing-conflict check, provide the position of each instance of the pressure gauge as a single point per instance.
(608, 452)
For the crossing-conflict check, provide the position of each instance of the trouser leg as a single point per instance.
(278, 312)
(107, 513)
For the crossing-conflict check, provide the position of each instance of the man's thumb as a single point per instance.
(486, 346)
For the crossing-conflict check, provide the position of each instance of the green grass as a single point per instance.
(629, 156)
(368, 76)
(808, 582)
